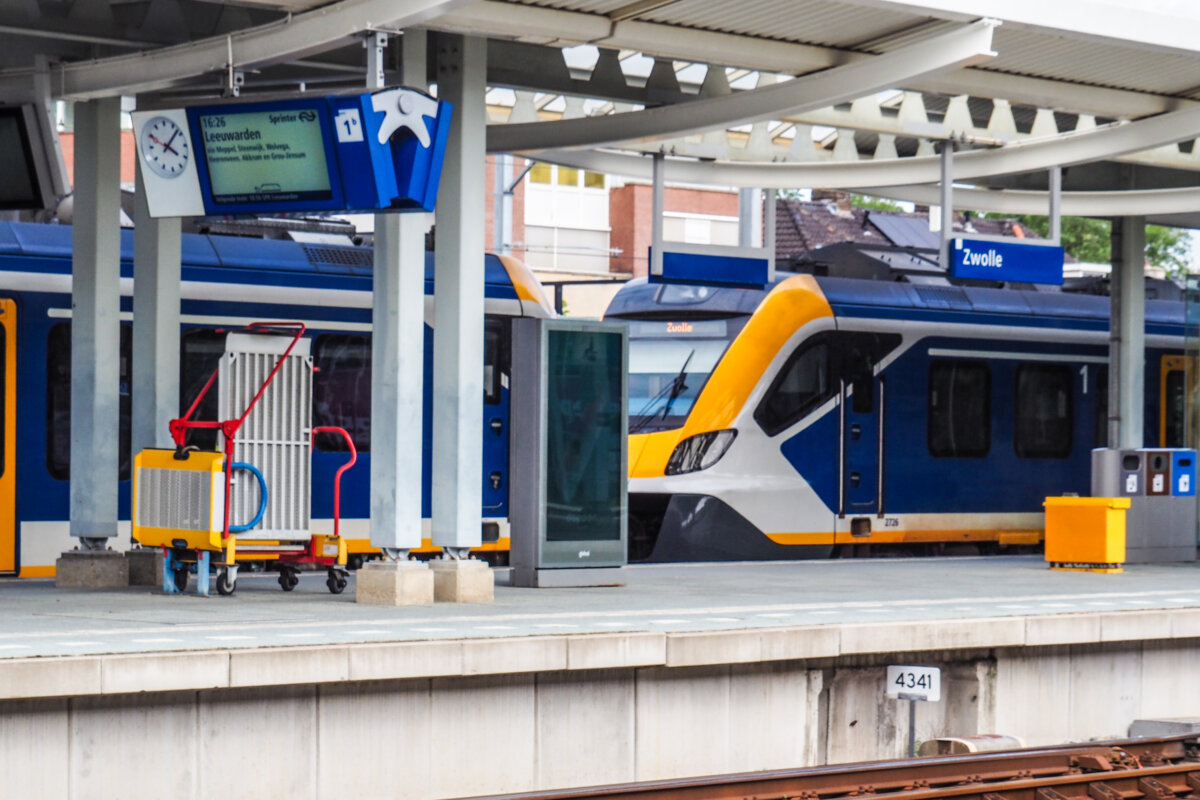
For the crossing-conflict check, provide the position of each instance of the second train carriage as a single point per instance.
(227, 282)
(822, 413)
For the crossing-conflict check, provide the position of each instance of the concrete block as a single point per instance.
(405, 660)
(1124, 626)
(609, 650)
(769, 717)
(134, 746)
(863, 724)
(1162, 665)
(49, 677)
(1033, 695)
(787, 644)
(949, 634)
(713, 647)
(494, 715)
(288, 665)
(526, 654)
(683, 722)
(91, 569)
(1156, 728)
(394, 583)
(375, 740)
(1056, 629)
(1185, 623)
(162, 672)
(35, 748)
(145, 566)
(462, 581)
(1105, 690)
(592, 715)
(274, 751)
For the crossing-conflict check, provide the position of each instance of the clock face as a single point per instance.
(164, 147)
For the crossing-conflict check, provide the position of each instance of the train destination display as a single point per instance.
(380, 151)
(265, 156)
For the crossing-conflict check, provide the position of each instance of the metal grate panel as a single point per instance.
(174, 498)
(275, 437)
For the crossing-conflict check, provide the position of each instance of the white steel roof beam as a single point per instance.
(1131, 202)
(1026, 156)
(967, 45)
(294, 37)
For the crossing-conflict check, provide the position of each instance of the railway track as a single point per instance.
(1136, 769)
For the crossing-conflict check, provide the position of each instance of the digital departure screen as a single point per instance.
(265, 156)
(18, 179)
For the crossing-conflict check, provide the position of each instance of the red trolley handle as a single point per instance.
(337, 478)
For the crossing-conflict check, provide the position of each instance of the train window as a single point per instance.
(199, 355)
(495, 362)
(960, 409)
(802, 385)
(58, 401)
(342, 390)
(1174, 408)
(1044, 419)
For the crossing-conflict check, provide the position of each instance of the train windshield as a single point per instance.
(669, 363)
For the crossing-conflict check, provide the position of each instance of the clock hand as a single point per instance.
(173, 135)
(164, 145)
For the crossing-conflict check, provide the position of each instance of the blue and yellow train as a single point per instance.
(822, 413)
(227, 282)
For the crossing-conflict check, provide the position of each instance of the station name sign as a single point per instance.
(990, 260)
(380, 151)
(717, 265)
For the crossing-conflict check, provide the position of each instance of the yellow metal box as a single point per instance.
(1086, 532)
(179, 500)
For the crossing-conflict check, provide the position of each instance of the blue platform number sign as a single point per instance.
(990, 260)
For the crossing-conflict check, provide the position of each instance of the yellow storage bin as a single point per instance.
(1086, 533)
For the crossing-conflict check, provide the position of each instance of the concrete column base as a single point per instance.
(91, 569)
(468, 581)
(394, 583)
(145, 567)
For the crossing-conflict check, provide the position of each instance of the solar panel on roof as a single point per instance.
(905, 231)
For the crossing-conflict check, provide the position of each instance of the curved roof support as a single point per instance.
(1132, 202)
(1025, 156)
(294, 37)
(964, 46)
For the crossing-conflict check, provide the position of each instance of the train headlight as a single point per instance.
(699, 452)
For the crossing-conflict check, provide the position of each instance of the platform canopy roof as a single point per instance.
(1067, 69)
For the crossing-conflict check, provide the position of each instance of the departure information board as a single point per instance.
(266, 156)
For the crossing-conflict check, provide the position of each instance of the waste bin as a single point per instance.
(1161, 485)
(1086, 533)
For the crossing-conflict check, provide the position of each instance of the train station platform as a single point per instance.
(684, 670)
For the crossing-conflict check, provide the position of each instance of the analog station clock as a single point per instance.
(164, 147)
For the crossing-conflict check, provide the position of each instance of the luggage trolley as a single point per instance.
(185, 499)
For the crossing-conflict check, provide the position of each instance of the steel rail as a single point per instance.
(1138, 769)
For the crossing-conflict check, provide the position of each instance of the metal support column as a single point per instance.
(458, 301)
(1055, 187)
(768, 228)
(656, 211)
(397, 345)
(750, 217)
(156, 272)
(947, 210)
(95, 322)
(1127, 334)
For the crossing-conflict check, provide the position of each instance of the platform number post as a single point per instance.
(914, 684)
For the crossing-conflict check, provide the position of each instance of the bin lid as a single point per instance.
(1108, 502)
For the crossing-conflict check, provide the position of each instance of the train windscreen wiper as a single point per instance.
(672, 392)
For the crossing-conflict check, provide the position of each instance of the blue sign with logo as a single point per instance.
(990, 260)
(365, 152)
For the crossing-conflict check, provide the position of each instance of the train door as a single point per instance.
(862, 405)
(1178, 383)
(8, 437)
(495, 416)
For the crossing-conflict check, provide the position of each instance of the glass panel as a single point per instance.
(1044, 411)
(803, 384)
(584, 435)
(1174, 407)
(495, 358)
(342, 390)
(540, 173)
(58, 401)
(568, 176)
(199, 355)
(593, 180)
(1102, 407)
(959, 409)
(667, 372)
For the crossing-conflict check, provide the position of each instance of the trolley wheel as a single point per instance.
(288, 578)
(181, 578)
(354, 562)
(336, 581)
(224, 585)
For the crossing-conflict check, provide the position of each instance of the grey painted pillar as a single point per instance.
(750, 217)
(397, 346)
(458, 300)
(768, 228)
(95, 323)
(156, 259)
(1127, 334)
(657, 199)
(1055, 186)
(947, 210)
